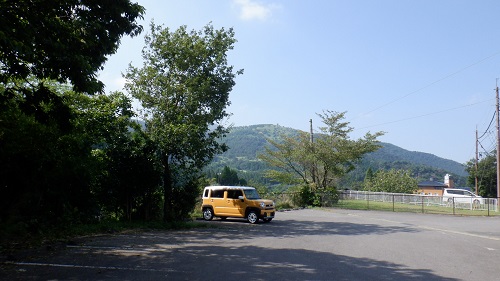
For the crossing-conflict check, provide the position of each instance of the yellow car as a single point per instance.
(236, 201)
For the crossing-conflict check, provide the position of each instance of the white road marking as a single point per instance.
(459, 232)
(436, 229)
(88, 266)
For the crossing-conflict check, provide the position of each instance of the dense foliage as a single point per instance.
(78, 162)
(486, 174)
(63, 40)
(228, 177)
(54, 143)
(395, 181)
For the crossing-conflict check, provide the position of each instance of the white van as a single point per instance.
(456, 195)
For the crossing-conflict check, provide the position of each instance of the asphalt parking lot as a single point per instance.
(298, 245)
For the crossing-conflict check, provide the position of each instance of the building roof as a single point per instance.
(431, 184)
(225, 187)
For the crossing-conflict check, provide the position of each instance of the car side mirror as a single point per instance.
(241, 198)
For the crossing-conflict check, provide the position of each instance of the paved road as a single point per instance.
(297, 245)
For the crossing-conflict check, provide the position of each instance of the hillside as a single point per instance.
(246, 142)
(392, 153)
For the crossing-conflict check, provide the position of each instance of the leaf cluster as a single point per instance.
(485, 173)
(395, 181)
(63, 40)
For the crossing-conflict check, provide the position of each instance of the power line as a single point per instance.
(433, 83)
(423, 115)
(485, 151)
(491, 122)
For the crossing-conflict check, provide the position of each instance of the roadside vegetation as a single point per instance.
(75, 159)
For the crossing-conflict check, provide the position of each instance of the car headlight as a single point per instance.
(262, 205)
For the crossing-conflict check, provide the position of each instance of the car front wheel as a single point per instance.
(252, 217)
(208, 214)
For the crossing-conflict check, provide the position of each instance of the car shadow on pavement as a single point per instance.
(290, 228)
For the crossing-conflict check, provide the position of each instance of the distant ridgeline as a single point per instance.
(246, 142)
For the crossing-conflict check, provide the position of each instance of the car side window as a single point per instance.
(218, 193)
(234, 194)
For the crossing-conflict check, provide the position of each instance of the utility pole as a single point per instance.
(498, 147)
(313, 168)
(475, 164)
(311, 130)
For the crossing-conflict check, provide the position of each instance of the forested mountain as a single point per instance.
(246, 142)
(424, 166)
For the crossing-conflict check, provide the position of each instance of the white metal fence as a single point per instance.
(466, 203)
(395, 202)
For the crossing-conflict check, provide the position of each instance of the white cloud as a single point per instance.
(112, 82)
(252, 10)
(119, 83)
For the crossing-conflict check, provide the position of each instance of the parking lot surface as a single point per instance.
(304, 244)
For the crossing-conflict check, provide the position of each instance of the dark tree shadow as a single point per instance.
(212, 254)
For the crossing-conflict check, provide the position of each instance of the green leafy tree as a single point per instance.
(395, 181)
(486, 174)
(125, 181)
(63, 40)
(184, 87)
(229, 176)
(46, 161)
(369, 174)
(73, 157)
(319, 164)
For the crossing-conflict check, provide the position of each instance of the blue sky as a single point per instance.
(423, 71)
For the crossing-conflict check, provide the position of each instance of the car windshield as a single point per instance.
(251, 194)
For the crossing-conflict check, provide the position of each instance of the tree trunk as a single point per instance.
(167, 191)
